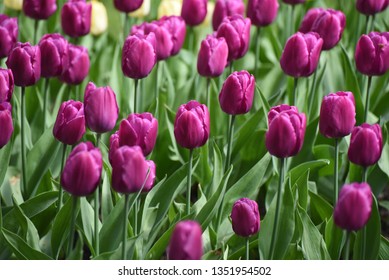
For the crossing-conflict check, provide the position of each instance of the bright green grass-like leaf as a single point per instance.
(335, 239)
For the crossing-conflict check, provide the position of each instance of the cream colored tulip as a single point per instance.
(99, 19)
(14, 4)
(208, 19)
(169, 8)
(143, 11)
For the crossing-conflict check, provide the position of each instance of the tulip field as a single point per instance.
(194, 129)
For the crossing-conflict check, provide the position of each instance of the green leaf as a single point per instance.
(87, 222)
(384, 249)
(302, 188)
(335, 239)
(265, 104)
(384, 204)
(299, 170)
(5, 154)
(117, 254)
(320, 208)
(218, 171)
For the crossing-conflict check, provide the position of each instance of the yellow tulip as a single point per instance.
(143, 11)
(208, 19)
(99, 22)
(14, 4)
(169, 8)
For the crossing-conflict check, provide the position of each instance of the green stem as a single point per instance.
(156, 80)
(347, 249)
(22, 136)
(60, 192)
(291, 20)
(372, 23)
(278, 206)
(336, 172)
(231, 67)
(295, 84)
(72, 224)
(312, 93)
(135, 94)
(126, 19)
(97, 207)
(367, 102)
(191, 39)
(189, 182)
(136, 211)
(363, 236)
(247, 248)
(257, 50)
(208, 94)
(36, 24)
(45, 97)
(125, 225)
(229, 143)
(1, 214)
(367, 24)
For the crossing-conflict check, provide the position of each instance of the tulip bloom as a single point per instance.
(99, 18)
(245, 217)
(262, 12)
(78, 67)
(6, 123)
(226, 8)
(127, 6)
(8, 34)
(294, 2)
(194, 11)
(177, 28)
(101, 108)
(365, 145)
(113, 145)
(186, 242)
(371, 7)
(169, 8)
(6, 85)
(212, 58)
(14, 4)
(353, 210)
(143, 11)
(76, 18)
(39, 9)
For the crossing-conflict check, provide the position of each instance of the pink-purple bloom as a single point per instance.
(8, 34)
(245, 217)
(76, 18)
(212, 58)
(226, 8)
(262, 12)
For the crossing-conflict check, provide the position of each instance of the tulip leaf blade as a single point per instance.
(5, 155)
(299, 170)
(335, 239)
(384, 249)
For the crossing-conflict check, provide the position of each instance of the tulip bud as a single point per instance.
(236, 31)
(237, 94)
(294, 2)
(192, 125)
(139, 55)
(113, 145)
(99, 18)
(6, 123)
(372, 54)
(226, 8)
(78, 67)
(177, 28)
(212, 57)
(127, 6)
(245, 217)
(194, 11)
(76, 18)
(14, 4)
(365, 145)
(169, 8)
(101, 108)
(8, 34)
(353, 209)
(301, 54)
(285, 135)
(371, 7)
(82, 171)
(69, 126)
(143, 11)
(139, 130)
(25, 62)
(337, 114)
(262, 12)
(6, 85)
(186, 242)
(329, 24)
(39, 9)
(54, 53)
(131, 171)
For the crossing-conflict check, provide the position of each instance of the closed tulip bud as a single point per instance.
(294, 2)
(8, 34)
(169, 8)
(39, 9)
(194, 11)
(127, 6)
(99, 18)
(301, 54)
(113, 145)
(131, 171)
(237, 94)
(337, 114)
(371, 7)
(143, 11)
(14, 4)
(139, 55)
(6, 85)
(329, 24)
(212, 57)
(101, 108)
(262, 12)
(192, 125)
(186, 242)
(76, 18)
(69, 126)
(286, 132)
(177, 28)
(236, 31)
(372, 54)
(245, 217)
(365, 145)
(82, 171)
(226, 8)
(54, 53)
(139, 130)
(25, 62)
(6, 123)
(353, 209)
(78, 67)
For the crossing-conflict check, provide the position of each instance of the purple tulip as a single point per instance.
(329, 24)
(76, 18)
(177, 28)
(113, 145)
(78, 67)
(301, 54)
(226, 8)
(286, 132)
(131, 171)
(194, 11)
(39, 9)
(294, 2)
(262, 12)
(186, 242)
(365, 145)
(371, 7)
(236, 31)
(212, 58)
(237, 94)
(8, 34)
(192, 125)
(139, 130)
(337, 114)
(6, 85)
(82, 171)
(6, 123)
(245, 217)
(127, 6)
(54, 52)
(25, 62)
(139, 55)
(69, 126)
(372, 54)
(101, 108)
(353, 209)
